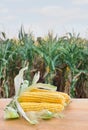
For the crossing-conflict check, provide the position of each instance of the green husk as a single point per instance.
(18, 80)
(46, 115)
(43, 86)
(10, 113)
(23, 114)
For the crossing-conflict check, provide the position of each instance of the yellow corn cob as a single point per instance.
(50, 97)
(66, 96)
(32, 106)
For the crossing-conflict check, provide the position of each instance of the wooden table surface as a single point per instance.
(75, 118)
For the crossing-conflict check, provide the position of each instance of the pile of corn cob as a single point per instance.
(36, 99)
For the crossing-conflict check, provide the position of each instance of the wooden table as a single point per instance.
(75, 118)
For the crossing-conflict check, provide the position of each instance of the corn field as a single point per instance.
(61, 61)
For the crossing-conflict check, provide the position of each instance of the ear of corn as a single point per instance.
(65, 95)
(50, 97)
(33, 106)
(36, 99)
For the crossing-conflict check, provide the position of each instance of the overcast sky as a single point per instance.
(41, 16)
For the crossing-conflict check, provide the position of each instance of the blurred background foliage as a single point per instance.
(62, 61)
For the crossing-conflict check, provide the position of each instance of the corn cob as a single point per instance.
(66, 96)
(50, 97)
(32, 106)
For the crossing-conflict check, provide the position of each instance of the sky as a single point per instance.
(41, 16)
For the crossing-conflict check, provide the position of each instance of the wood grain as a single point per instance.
(75, 118)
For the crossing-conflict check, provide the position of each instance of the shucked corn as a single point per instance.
(66, 96)
(36, 99)
(50, 97)
(33, 106)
